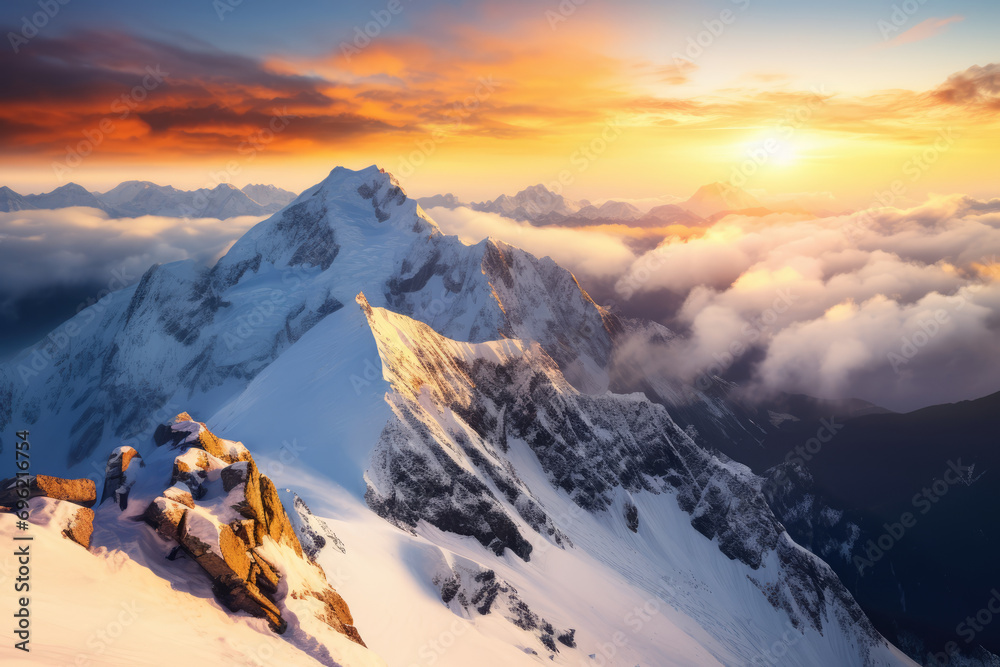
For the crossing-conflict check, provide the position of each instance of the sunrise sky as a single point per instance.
(481, 98)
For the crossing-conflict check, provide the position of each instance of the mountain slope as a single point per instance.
(137, 198)
(718, 198)
(531, 203)
(12, 201)
(465, 401)
(878, 467)
(269, 196)
(65, 196)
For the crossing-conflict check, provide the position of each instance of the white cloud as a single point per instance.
(592, 254)
(74, 246)
(862, 300)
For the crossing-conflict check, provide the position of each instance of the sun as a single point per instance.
(784, 154)
(770, 151)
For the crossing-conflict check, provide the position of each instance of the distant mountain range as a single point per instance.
(542, 207)
(136, 198)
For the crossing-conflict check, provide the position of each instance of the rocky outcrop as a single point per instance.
(66, 502)
(82, 492)
(443, 459)
(312, 531)
(473, 589)
(183, 430)
(117, 480)
(223, 514)
(74, 522)
(79, 525)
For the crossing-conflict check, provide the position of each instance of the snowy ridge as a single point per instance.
(186, 336)
(466, 402)
(461, 410)
(139, 198)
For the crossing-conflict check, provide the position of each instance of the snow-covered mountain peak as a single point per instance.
(127, 191)
(269, 195)
(719, 197)
(529, 204)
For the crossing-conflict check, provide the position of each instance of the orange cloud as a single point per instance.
(473, 101)
(924, 30)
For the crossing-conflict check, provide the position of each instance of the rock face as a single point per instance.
(79, 526)
(313, 532)
(53, 499)
(488, 399)
(469, 588)
(117, 480)
(75, 522)
(224, 514)
(82, 492)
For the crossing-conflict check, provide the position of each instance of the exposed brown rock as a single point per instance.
(192, 460)
(80, 527)
(180, 493)
(336, 614)
(79, 491)
(265, 576)
(234, 571)
(245, 531)
(235, 474)
(116, 484)
(242, 579)
(166, 516)
(166, 434)
(239, 596)
(279, 527)
(251, 506)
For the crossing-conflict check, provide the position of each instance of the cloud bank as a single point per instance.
(53, 262)
(898, 307)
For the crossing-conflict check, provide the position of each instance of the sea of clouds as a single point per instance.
(898, 307)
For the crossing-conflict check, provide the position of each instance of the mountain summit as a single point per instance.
(716, 198)
(450, 403)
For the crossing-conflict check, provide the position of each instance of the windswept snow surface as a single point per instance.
(105, 608)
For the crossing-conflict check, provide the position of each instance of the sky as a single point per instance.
(592, 98)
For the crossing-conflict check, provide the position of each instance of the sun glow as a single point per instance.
(771, 151)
